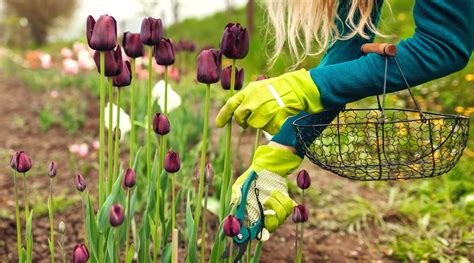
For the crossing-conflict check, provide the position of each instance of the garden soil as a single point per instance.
(20, 129)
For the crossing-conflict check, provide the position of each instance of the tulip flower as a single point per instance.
(80, 183)
(303, 180)
(102, 35)
(151, 31)
(164, 52)
(70, 66)
(125, 77)
(116, 215)
(208, 174)
(66, 53)
(231, 226)
(13, 165)
(22, 162)
(161, 124)
(300, 214)
(226, 75)
(209, 66)
(14, 161)
(80, 254)
(235, 41)
(130, 178)
(46, 61)
(52, 169)
(172, 162)
(113, 62)
(133, 45)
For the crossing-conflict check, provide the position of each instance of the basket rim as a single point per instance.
(439, 116)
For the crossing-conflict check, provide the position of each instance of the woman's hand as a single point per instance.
(266, 104)
(272, 164)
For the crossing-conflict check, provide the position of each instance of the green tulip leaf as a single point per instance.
(103, 215)
(92, 229)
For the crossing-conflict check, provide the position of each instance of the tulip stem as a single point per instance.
(231, 250)
(25, 192)
(102, 128)
(117, 138)
(51, 219)
(18, 220)
(205, 129)
(149, 110)
(110, 142)
(62, 247)
(173, 217)
(227, 158)
(258, 134)
(203, 228)
(117, 247)
(132, 115)
(156, 244)
(127, 222)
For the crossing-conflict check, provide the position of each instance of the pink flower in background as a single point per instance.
(66, 52)
(83, 150)
(173, 73)
(70, 66)
(158, 68)
(85, 60)
(96, 144)
(46, 61)
(74, 148)
(77, 47)
(54, 94)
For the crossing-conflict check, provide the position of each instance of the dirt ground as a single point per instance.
(21, 130)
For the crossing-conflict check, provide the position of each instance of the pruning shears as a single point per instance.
(254, 230)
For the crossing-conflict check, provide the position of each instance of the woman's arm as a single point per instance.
(442, 44)
(341, 51)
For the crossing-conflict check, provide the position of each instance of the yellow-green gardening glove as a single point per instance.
(272, 165)
(266, 104)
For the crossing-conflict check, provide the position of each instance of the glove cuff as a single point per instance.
(306, 89)
(275, 159)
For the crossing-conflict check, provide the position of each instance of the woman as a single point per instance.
(442, 44)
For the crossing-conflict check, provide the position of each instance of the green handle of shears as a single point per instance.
(252, 231)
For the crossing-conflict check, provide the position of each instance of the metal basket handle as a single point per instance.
(389, 50)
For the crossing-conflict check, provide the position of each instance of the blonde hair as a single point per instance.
(304, 24)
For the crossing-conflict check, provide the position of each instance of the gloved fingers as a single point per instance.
(271, 221)
(285, 200)
(226, 112)
(280, 212)
(274, 125)
(236, 195)
(259, 118)
(240, 115)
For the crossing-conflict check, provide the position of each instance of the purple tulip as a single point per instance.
(303, 180)
(208, 174)
(225, 78)
(113, 62)
(300, 214)
(133, 45)
(172, 162)
(209, 66)
(161, 124)
(116, 215)
(235, 41)
(231, 226)
(125, 77)
(130, 178)
(21, 162)
(52, 169)
(164, 52)
(80, 254)
(80, 183)
(151, 31)
(102, 35)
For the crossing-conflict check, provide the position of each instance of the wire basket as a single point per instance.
(383, 144)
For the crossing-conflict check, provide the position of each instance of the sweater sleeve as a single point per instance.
(341, 51)
(442, 44)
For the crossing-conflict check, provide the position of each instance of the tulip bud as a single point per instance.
(115, 132)
(161, 124)
(231, 226)
(62, 227)
(300, 214)
(235, 41)
(172, 162)
(80, 254)
(151, 31)
(125, 77)
(52, 169)
(133, 45)
(130, 178)
(116, 215)
(21, 162)
(225, 78)
(303, 180)
(113, 62)
(209, 66)
(164, 52)
(80, 183)
(261, 77)
(102, 35)
(208, 174)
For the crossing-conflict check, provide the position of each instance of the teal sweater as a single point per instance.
(442, 44)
